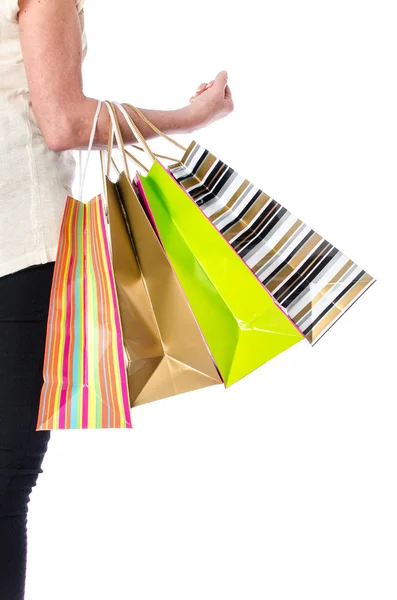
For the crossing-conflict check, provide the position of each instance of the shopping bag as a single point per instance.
(241, 323)
(85, 377)
(166, 350)
(309, 277)
(313, 281)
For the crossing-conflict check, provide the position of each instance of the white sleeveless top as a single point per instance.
(34, 180)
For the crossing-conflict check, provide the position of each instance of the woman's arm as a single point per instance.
(51, 45)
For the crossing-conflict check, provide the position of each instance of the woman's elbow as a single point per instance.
(59, 139)
(57, 143)
(68, 126)
(60, 130)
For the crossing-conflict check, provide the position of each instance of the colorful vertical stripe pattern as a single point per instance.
(311, 279)
(85, 378)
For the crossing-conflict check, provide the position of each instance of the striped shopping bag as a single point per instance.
(85, 379)
(308, 276)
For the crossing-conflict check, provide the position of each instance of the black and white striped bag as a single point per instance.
(309, 277)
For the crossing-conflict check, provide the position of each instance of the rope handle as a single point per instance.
(114, 128)
(163, 156)
(155, 129)
(139, 135)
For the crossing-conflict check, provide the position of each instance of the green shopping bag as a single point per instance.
(240, 321)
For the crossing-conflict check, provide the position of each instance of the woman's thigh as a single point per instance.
(24, 300)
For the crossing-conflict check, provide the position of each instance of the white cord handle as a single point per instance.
(84, 172)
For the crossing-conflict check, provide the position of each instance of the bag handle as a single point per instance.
(134, 159)
(114, 128)
(164, 156)
(135, 130)
(139, 135)
(152, 126)
(83, 172)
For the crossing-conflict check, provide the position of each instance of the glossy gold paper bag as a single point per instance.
(167, 354)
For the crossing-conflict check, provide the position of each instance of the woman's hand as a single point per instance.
(211, 102)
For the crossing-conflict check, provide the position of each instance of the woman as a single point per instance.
(44, 115)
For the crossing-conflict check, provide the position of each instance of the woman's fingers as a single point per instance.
(229, 99)
(224, 91)
(228, 92)
(202, 88)
(212, 100)
(220, 81)
(220, 89)
(199, 90)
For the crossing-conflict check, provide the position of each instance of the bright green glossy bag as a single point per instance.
(240, 321)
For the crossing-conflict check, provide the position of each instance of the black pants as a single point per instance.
(24, 300)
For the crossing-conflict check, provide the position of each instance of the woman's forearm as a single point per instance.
(76, 135)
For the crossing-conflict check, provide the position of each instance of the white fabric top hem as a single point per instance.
(28, 260)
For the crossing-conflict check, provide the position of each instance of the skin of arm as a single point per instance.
(50, 37)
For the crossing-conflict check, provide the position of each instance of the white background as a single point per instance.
(284, 486)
